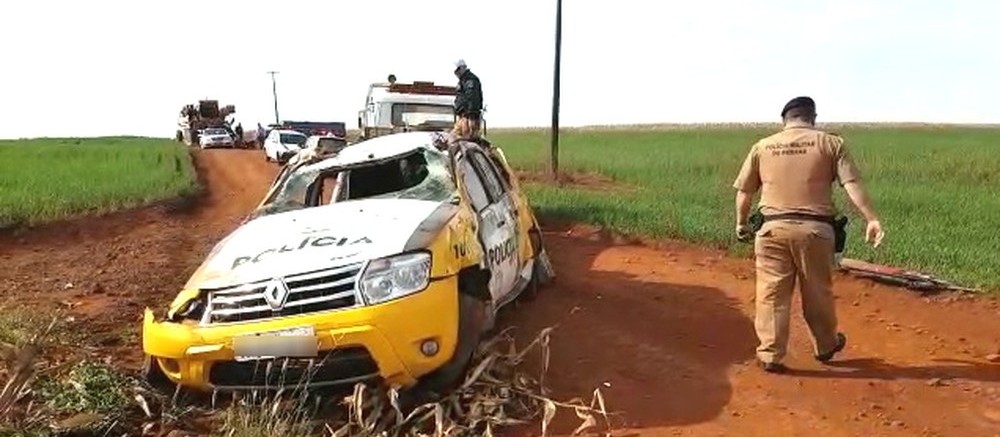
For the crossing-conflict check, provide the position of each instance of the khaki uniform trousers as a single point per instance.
(466, 127)
(788, 252)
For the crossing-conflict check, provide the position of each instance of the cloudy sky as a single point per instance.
(126, 67)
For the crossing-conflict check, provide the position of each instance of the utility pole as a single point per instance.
(554, 151)
(274, 91)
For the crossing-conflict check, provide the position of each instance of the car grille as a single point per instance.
(338, 366)
(322, 290)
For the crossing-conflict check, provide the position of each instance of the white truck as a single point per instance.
(405, 107)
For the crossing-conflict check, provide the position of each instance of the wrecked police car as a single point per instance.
(385, 262)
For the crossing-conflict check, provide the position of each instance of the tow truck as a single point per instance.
(392, 107)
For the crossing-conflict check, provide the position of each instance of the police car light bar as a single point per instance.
(423, 88)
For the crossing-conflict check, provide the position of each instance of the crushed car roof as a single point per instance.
(378, 148)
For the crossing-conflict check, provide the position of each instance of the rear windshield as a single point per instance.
(296, 139)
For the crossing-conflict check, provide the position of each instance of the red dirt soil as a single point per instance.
(666, 333)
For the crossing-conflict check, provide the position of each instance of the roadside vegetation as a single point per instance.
(937, 189)
(50, 388)
(47, 179)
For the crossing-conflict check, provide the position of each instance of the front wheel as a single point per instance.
(471, 321)
(153, 375)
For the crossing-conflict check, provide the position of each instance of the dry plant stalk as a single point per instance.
(494, 394)
(20, 364)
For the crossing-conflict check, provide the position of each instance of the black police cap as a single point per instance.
(799, 102)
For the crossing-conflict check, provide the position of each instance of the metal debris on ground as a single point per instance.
(898, 277)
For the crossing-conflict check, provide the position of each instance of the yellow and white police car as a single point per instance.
(385, 262)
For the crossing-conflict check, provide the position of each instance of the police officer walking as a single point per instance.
(794, 170)
(468, 102)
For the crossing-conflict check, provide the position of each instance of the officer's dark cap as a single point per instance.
(802, 102)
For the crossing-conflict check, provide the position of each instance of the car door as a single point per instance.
(271, 144)
(497, 223)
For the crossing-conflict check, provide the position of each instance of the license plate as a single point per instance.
(298, 342)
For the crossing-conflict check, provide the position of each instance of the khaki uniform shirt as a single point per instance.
(795, 169)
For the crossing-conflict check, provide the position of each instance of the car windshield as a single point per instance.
(413, 114)
(215, 131)
(421, 174)
(296, 139)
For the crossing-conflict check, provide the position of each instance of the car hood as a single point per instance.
(315, 238)
(216, 137)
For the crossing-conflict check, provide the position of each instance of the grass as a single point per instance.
(46, 388)
(76, 395)
(936, 188)
(47, 179)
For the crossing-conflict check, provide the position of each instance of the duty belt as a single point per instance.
(800, 216)
(839, 225)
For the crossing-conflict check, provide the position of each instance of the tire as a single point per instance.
(153, 375)
(437, 384)
(542, 273)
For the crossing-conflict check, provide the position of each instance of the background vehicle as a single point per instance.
(392, 107)
(215, 137)
(206, 114)
(337, 128)
(282, 144)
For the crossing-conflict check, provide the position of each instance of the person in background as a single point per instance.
(239, 134)
(261, 135)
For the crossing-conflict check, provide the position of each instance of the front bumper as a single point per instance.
(226, 144)
(374, 342)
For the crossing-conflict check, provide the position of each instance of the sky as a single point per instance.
(103, 67)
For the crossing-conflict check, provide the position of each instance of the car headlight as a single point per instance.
(393, 277)
(190, 310)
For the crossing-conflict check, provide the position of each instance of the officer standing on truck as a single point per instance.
(468, 102)
(795, 169)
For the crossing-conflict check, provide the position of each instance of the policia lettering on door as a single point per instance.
(502, 252)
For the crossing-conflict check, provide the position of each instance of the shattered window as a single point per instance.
(422, 174)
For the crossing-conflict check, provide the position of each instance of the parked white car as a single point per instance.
(215, 137)
(282, 144)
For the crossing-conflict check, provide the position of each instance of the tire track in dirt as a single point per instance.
(665, 332)
(107, 269)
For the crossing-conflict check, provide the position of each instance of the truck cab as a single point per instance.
(392, 107)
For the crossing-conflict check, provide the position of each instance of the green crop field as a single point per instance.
(46, 179)
(937, 189)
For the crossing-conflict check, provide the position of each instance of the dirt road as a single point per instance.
(666, 333)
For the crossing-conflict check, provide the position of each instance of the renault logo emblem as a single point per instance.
(276, 294)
